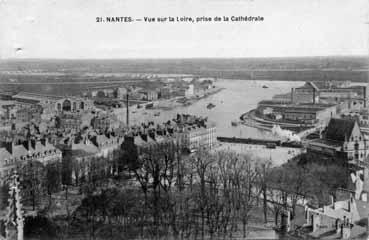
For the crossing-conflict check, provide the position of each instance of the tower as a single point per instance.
(14, 219)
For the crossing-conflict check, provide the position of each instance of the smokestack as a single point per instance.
(364, 89)
(127, 116)
(292, 92)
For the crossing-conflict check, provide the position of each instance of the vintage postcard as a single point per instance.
(184, 119)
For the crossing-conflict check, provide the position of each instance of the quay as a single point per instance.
(266, 142)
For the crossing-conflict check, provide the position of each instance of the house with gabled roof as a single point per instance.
(341, 140)
(13, 155)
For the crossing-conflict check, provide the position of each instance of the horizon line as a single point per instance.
(185, 58)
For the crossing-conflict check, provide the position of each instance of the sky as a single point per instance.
(68, 29)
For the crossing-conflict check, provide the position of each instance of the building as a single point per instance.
(343, 141)
(309, 93)
(55, 104)
(26, 114)
(122, 93)
(190, 91)
(70, 122)
(312, 92)
(200, 136)
(149, 95)
(309, 114)
(345, 219)
(195, 132)
(13, 155)
(91, 154)
(104, 122)
(298, 113)
(165, 93)
(102, 93)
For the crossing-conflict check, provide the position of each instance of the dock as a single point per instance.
(264, 142)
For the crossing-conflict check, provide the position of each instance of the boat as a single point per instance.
(210, 106)
(157, 114)
(265, 86)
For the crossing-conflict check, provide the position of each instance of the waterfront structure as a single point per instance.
(194, 132)
(355, 97)
(309, 93)
(343, 141)
(299, 113)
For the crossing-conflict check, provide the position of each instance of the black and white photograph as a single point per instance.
(184, 119)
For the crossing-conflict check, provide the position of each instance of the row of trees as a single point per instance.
(167, 193)
(196, 196)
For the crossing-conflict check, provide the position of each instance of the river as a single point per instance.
(237, 97)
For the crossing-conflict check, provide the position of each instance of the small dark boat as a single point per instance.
(210, 106)
(265, 86)
(157, 114)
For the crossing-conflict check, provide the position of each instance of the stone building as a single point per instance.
(13, 155)
(343, 141)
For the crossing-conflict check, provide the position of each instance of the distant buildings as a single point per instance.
(309, 93)
(149, 95)
(105, 122)
(298, 113)
(89, 153)
(355, 97)
(195, 132)
(55, 104)
(122, 93)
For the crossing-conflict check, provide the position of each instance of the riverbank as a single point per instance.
(250, 119)
(170, 104)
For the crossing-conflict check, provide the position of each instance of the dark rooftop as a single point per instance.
(339, 129)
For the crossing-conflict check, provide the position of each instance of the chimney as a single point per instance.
(332, 200)
(127, 115)
(292, 93)
(350, 202)
(364, 95)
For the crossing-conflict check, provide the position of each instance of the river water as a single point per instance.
(237, 97)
